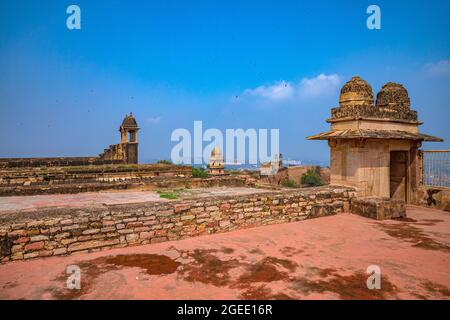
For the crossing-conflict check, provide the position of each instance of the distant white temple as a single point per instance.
(272, 167)
(216, 163)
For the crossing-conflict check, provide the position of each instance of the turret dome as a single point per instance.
(393, 97)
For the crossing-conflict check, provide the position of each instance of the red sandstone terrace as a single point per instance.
(178, 232)
(322, 258)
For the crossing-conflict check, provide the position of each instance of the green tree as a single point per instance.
(311, 178)
(199, 173)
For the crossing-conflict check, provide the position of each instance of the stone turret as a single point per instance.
(128, 129)
(374, 147)
(216, 162)
(127, 150)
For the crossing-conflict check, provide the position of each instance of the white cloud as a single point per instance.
(154, 120)
(278, 91)
(306, 89)
(321, 85)
(440, 68)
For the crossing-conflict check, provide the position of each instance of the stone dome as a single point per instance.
(393, 97)
(129, 121)
(215, 152)
(356, 92)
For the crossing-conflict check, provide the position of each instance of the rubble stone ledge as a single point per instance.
(26, 234)
(378, 208)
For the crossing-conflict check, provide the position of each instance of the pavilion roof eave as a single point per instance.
(373, 134)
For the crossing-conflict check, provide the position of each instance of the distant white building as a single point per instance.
(272, 167)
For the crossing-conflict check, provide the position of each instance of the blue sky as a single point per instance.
(231, 64)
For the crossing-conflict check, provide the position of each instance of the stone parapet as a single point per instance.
(58, 231)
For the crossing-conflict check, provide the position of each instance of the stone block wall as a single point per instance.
(378, 208)
(434, 197)
(9, 163)
(60, 231)
(51, 180)
(295, 173)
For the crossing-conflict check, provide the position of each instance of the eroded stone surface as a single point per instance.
(101, 221)
(378, 208)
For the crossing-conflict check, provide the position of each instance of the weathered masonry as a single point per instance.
(126, 152)
(57, 231)
(216, 164)
(75, 179)
(435, 191)
(374, 147)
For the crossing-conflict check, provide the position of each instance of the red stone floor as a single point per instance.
(324, 258)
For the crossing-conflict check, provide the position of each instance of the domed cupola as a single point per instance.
(355, 101)
(393, 97)
(356, 92)
(129, 122)
(128, 129)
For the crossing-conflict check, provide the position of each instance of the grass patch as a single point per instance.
(174, 194)
(289, 183)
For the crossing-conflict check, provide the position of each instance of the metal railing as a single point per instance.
(436, 168)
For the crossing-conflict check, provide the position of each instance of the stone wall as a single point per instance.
(378, 208)
(59, 231)
(295, 173)
(54, 162)
(434, 197)
(365, 165)
(74, 179)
